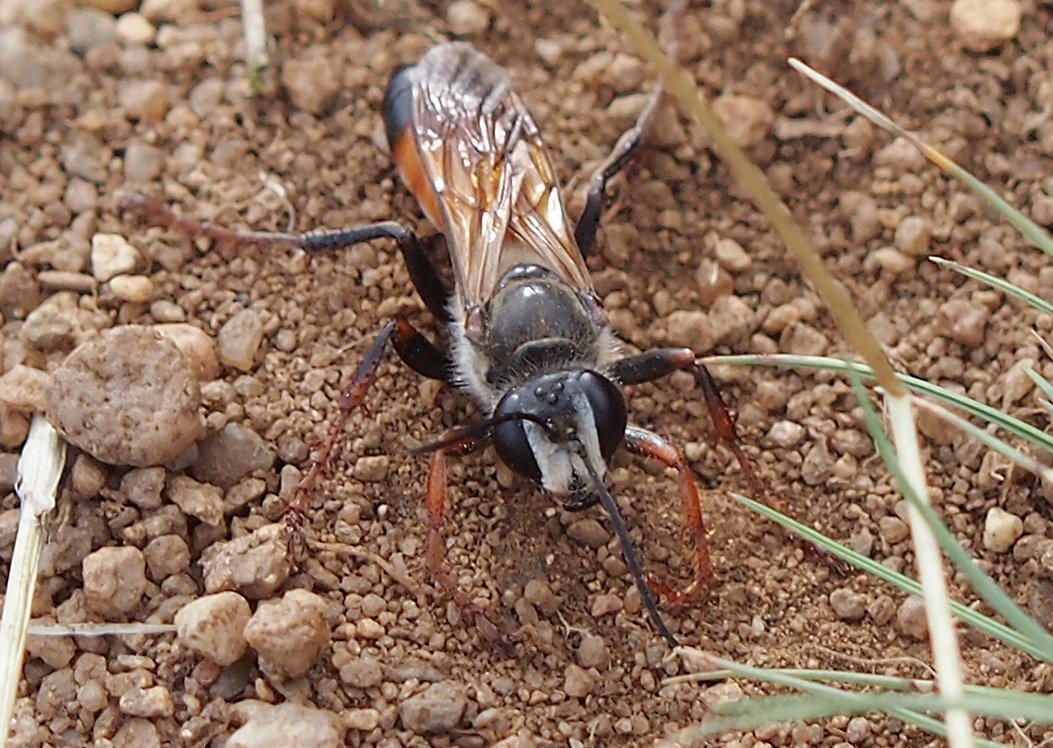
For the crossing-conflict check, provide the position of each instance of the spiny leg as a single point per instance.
(421, 271)
(642, 442)
(652, 365)
(415, 350)
(625, 148)
(457, 441)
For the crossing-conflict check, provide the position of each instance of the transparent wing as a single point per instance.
(491, 178)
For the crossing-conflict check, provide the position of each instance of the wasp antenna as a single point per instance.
(629, 552)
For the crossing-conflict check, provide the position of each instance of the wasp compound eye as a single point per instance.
(608, 410)
(510, 439)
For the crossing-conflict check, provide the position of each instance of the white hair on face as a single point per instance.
(558, 462)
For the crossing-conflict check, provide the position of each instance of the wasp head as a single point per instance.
(546, 426)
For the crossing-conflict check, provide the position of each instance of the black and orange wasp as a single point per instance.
(528, 338)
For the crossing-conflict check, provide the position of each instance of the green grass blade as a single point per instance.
(989, 440)
(1013, 425)
(1022, 223)
(976, 620)
(1039, 639)
(1000, 284)
(1040, 381)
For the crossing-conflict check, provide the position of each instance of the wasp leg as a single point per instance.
(421, 271)
(415, 350)
(642, 442)
(646, 367)
(435, 553)
(626, 147)
(652, 365)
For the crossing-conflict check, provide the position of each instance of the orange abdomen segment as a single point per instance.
(398, 124)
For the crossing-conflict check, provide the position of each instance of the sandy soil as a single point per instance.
(71, 129)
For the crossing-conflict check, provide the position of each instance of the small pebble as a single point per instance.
(165, 311)
(143, 486)
(593, 652)
(19, 290)
(371, 468)
(690, 329)
(848, 605)
(539, 593)
(858, 730)
(114, 580)
(87, 477)
(747, 120)
(228, 455)
(214, 625)
(23, 389)
(732, 256)
(136, 732)
(712, 282)
(730, 319)
(723, 693)
(363, 672)
(142, 162)
(605, 604)
(963, 321)
(243, 493)
(239, 339)
(910, 618)
(286, 724)
(1001, 530)
(983, 25)
(52, 326)
(901, 156)
(803, 340)
(155, 418)
(289, 633)
(893, 260)
(200, 500)
(66, 280)
(112, 255)
(146, 100)
(588, 531)
(255, 565)
(786, 434)
(913, 236)
(311, 82)
(818, 464)
(137, 289)
(88, 28)
(577, 682)
(467, 18)
(362, 719)
(150, 703)
(893, 530)
(197, 345)
(133, 28)
(367, 628)
(166, 555)
(437, 709)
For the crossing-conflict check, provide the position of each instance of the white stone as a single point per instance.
(112, 255)
(982, 25)
(1001, 530)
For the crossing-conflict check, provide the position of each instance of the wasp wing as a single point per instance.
(489, 173)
